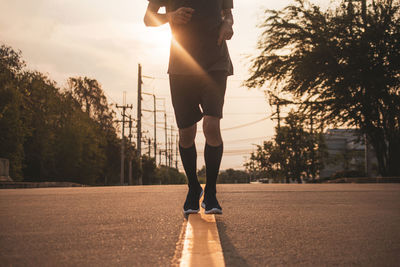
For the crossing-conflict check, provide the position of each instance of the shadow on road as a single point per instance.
(231, 255)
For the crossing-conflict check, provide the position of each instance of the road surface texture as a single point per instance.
(310, 225)
(262, 225)
(91, 226)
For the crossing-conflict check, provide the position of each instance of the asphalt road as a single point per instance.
(262, 225)
(102, 226)
(310, 225)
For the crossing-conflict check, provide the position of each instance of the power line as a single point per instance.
(245, 125)
(230, 128)
(247, 139)
(236, 113)
(236, 152)
(109, 97)
(167, 78)
(238, 97)
(261, 138)
(139, 123)
(233, 97)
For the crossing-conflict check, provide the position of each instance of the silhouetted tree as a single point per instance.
(293, 153)
(42, 115)
(231, 176)
(91, 99)
(169, 175)
(345, 61)
(149, 171)
(51, 134)
(12, 128)
(90, 96)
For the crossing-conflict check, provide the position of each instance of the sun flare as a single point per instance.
(159, 39)
(163, 36)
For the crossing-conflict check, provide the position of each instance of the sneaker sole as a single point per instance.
(190, 211)
(213, 211)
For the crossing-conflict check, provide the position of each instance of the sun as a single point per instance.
(160, 37)
(164, 35)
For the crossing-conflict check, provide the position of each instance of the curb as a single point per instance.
(17, 185)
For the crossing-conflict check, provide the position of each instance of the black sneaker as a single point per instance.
(192, 201)
(211, 205)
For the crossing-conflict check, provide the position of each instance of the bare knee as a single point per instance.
(187, 136)
(211, 129)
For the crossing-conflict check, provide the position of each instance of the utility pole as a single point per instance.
(139, 124)
(149, 144)
(166, 138)
(155, 122)
(277, 102)
(130, 151)
(155, 128)
(171, 148)
(274, 100)
(312, 144)
(366, 157)
(154, 111)
(176, 151)
(123, 107)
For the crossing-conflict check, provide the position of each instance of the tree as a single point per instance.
(293, 154)
(343, 64)
(50, 134)
(201, 175)
(90, 98)
(12, 127)
(42, 112)
(169, 175)
(149, 171)
(231, 176)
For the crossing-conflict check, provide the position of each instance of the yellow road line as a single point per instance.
(179, 246)
(202, 246)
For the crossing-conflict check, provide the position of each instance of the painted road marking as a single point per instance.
(202, 246)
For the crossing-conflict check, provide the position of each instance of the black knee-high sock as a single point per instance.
(189, 161)
(212, 157)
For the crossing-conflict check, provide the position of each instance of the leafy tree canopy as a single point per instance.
(293, 154)
(342, 64)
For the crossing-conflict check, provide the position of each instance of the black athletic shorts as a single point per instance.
(189, 93)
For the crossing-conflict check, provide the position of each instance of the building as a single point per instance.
(347, 152)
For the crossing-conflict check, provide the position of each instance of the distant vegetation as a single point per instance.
(294, 154)
(62, 134)
(229, 176)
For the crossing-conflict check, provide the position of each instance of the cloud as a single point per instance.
(102, 39)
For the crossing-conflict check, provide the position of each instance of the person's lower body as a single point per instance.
(195, 97)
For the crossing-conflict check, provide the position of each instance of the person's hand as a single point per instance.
(180, 16)
(226, 32)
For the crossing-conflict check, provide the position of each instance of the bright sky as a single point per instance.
(106, 40)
